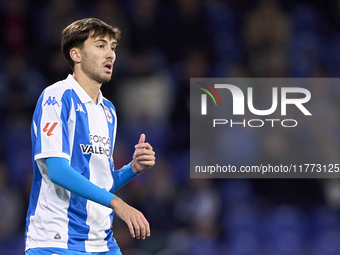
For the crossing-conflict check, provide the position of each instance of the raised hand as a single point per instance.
(144, 157)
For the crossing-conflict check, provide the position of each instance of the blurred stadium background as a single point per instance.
(163, 44)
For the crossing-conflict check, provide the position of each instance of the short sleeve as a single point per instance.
(50, 124)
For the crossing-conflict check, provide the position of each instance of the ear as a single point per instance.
(75, 55)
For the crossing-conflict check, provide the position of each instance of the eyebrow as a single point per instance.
(103, 40)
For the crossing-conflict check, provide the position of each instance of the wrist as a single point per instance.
(114, 203)
(133, 167)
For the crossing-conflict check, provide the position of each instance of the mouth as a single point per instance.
(108, 67)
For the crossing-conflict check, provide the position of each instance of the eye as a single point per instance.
(100, 46)
(113, 48)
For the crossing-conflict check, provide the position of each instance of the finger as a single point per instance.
(144, 145)
(136, 228)
(141, 139)
(142, 229)
(144, 153)
(144, 158)
(147, 226)
(131, 229)
(147, 164)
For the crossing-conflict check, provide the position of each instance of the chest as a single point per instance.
(94, 128)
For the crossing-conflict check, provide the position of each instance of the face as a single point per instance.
(97, 58)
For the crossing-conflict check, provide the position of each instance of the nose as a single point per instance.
(111, 54)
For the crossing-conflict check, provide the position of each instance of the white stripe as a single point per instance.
(100, 176)
(71, 128)
(51, 114)
(115, 129)
(35, 129)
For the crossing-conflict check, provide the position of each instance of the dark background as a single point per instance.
(163, 45)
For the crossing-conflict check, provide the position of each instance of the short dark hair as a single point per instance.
(75, 34)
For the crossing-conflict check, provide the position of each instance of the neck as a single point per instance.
(90, 86)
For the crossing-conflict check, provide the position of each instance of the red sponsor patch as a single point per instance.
(49, 127)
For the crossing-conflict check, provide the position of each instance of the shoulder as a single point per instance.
(56, 94)
(58, 89)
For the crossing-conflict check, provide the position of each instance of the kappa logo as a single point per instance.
(80, 108)
(51, 101)
(49, 128)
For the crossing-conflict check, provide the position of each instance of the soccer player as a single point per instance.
(73, 134)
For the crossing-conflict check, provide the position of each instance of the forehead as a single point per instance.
(106, 38)
(103, 35)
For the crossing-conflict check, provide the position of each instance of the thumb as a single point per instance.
(142, 138)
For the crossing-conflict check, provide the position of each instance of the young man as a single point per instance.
(73, 134)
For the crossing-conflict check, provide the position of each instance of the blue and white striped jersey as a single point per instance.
(67, 123)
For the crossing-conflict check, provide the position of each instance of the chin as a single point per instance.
(104, 79)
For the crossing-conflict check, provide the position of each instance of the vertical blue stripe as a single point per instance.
(109, 238)
(36, 148)
(64, 115)
(111, 127)
(36, 141)
(78, 229)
